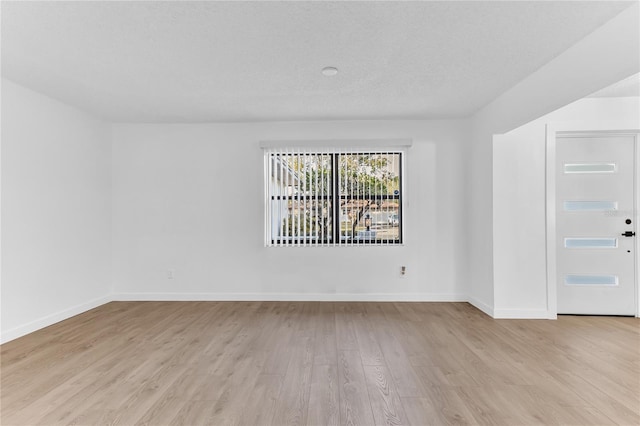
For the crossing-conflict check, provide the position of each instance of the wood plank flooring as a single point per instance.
(309, 363)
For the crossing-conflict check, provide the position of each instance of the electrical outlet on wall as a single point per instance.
(171, 274)
(403, 271)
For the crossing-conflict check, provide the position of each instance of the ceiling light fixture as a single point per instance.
(329, 71)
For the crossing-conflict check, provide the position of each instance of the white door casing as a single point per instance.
(591, 195)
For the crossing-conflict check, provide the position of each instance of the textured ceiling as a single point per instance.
(255, 61)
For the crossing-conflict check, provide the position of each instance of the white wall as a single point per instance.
(519, 225)
(604, 57)
(56, 214)
(190, 198)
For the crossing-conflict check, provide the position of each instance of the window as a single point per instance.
(590, 168)
(327, 197)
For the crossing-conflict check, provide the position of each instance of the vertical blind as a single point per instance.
(332, 196)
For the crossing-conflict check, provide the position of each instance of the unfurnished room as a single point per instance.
(320, 213)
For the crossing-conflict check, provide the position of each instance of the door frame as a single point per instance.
(552, 129)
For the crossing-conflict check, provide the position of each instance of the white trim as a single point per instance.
(636, 219)
(294, 297)
(54, 318)
(272, 297)
(521, 314)
(481, 305)
(622, 127)
(337, 143)
(550, 221)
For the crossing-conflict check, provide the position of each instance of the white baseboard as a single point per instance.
(271, 297)
(521, 314)
(481, 305)
(48, 320)
(293, 297)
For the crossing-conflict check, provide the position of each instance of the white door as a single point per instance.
(594, 208)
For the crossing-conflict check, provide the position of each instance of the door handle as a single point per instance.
(628, 234)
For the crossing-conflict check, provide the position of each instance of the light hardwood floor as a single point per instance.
(259, 363)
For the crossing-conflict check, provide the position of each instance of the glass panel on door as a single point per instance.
(590, 206)
(574, 279)
(590, 168)
(591, 243)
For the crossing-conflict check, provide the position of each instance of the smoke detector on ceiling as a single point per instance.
(329, 71)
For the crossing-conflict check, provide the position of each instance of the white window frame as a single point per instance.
(335, 148)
